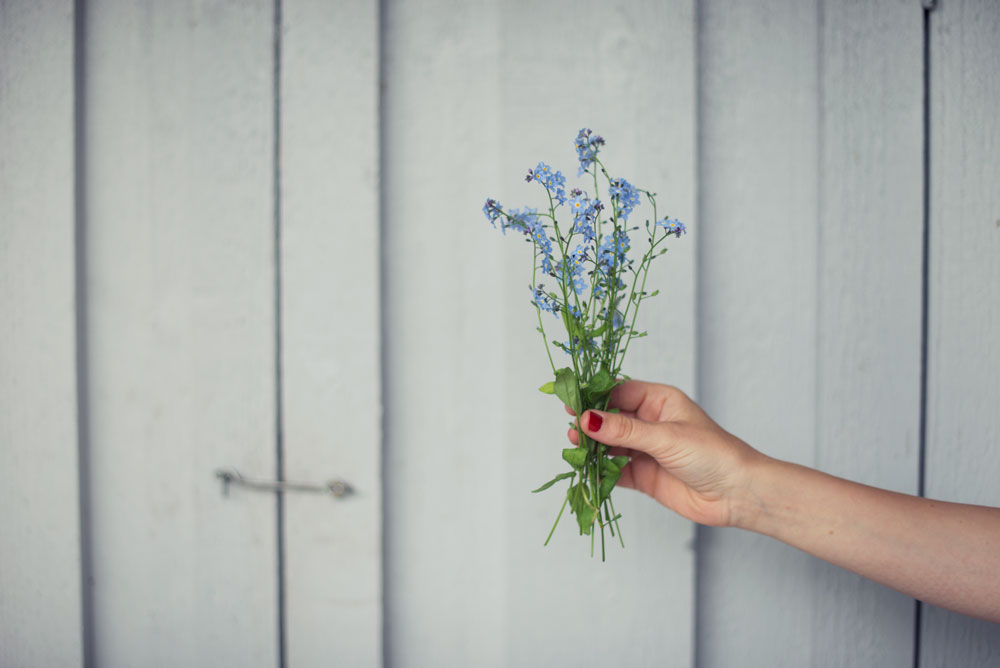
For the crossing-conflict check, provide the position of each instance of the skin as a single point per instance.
(947, 554)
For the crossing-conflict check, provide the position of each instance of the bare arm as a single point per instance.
(947, 554)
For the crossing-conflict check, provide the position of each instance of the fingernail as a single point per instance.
(594, 422)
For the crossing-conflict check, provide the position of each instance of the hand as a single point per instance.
(944, 553)
(680, 457)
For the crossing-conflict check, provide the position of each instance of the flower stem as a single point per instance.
(558, 517)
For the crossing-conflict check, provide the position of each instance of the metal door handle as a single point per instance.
(338, 488)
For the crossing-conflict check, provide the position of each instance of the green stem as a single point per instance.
(558, 517)
(538, 310)
(617, 526)
(647, 260)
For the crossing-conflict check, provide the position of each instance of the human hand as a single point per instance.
(680, 456)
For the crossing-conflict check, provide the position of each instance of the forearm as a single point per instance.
(947, 554)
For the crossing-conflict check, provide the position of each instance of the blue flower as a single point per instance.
(553, 182)
(572, 270)
(584, 215)
(624, 195)
(586, 148)
(617, 320)
(606, 253)
(542, 243)
(492, 211)
(522, 221)
(613, 251)
(622, 245)
(575, 312)
(672, 226)
(542, 300)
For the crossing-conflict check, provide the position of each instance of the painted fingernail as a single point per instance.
(594, 422)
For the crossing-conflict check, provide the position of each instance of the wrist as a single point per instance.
(751, 502)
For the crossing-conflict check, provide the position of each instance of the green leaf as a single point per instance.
(609, 466)
(578, 503)
(561, 476)
(611, 473)
(595, 391)
(608, 481)
(601, 382)
(566, 388)
(548, 388)
(599, 332)
(575, 457)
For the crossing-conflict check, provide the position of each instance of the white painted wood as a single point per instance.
(40, 607)
(475, 94)
(330, 329)
(868, 354)
(824, 171)
(180, 245)
(963, 426)
(757, 323)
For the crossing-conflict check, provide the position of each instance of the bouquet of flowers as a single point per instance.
(596, 283)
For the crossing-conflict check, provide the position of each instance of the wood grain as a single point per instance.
(757, 274)
(330, 329)
(963, 424)
(870, 268)
(40, 587)
(180, 237)
(475, 95)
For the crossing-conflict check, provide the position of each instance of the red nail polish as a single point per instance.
(594, 422)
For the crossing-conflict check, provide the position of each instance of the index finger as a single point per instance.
(649, 401)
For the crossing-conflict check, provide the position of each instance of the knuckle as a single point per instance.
(672, 393)
(624, 429)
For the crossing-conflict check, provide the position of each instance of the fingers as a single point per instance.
(630, 395)
(574, 438)
(650, 401)
(623, 430)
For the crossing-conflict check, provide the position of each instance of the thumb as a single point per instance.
(623, 431)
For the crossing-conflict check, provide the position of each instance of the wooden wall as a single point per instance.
(963, 384)
(40, 594)
(811, 213)
(810, 185)
(475, 95)
(230, 239)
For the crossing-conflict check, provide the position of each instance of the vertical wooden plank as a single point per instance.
(963, 425)
(626, 70)
(330, 329)
(40, 609)
(868, 356)
(475, 95)
(828, 98)
(445, 531)
(757, 277)
(180, 279)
